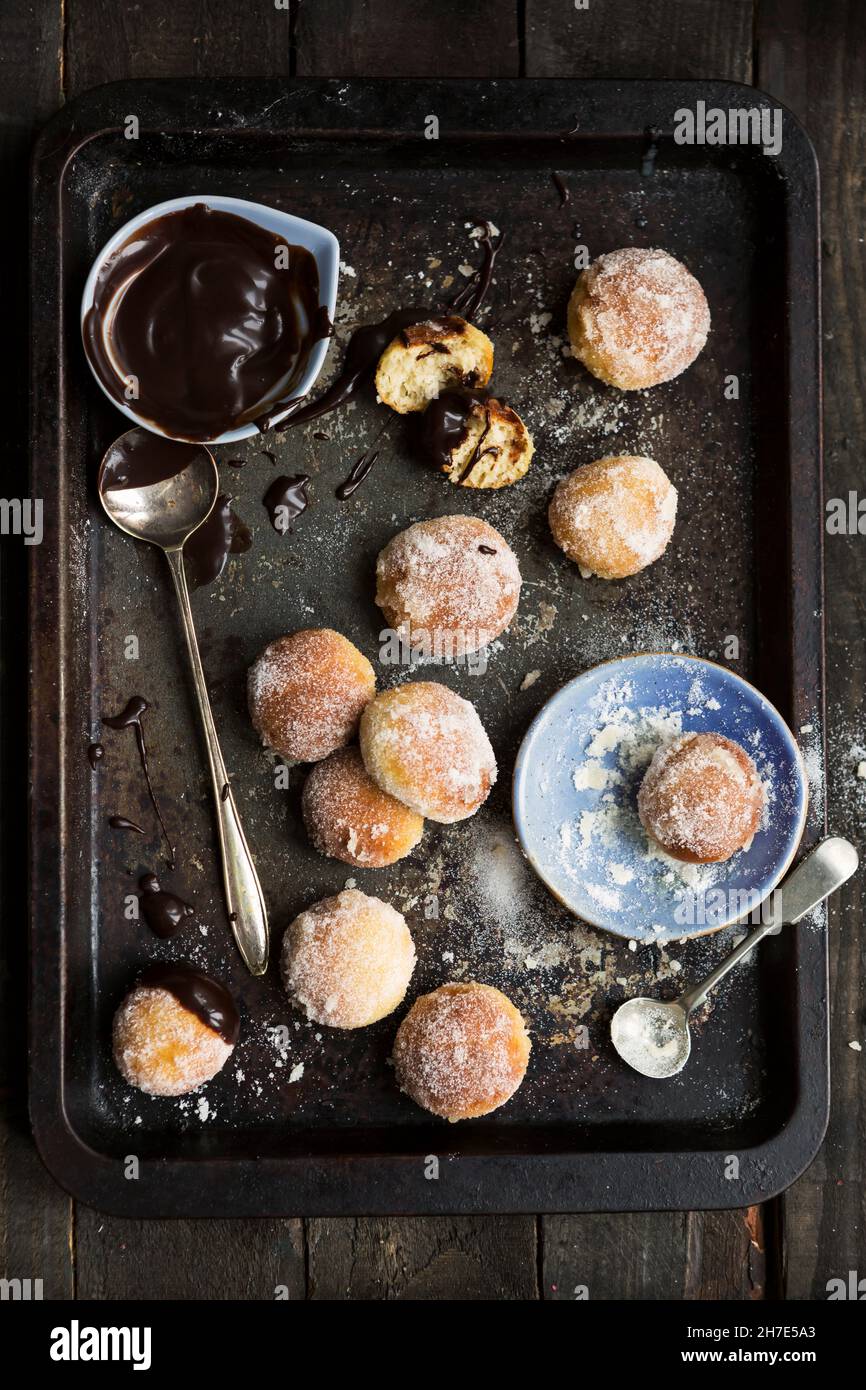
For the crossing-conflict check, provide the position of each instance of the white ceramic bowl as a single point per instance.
(318, 240)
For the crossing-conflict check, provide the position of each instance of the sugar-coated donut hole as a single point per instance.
(451, 583)
(637, 317)
(615, 516)
(350, 818)
(163, 1048)
(461, 1051)
(701, 798)
(347, 961)
(306, 692)
(427, 747)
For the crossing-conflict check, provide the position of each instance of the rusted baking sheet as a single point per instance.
(310, 1121)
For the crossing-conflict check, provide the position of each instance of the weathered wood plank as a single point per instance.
(654, 1256)
(812, 57)
(629, 38)
(726, 1255)
(423, 1258)
(188, 1259)
(184, 38)
(597, 1257)
(35, 1216)
(377, 38)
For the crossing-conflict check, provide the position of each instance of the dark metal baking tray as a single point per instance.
(582, 1133)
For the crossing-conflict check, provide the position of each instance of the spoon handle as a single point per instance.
(814, 879)
(694, 997)
(246, 904)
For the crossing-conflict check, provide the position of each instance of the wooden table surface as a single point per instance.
(811, 55)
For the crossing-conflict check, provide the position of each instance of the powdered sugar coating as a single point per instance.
(347, 960)
(701, 798)
(427, 746)
(461, 1051)
(453, 579)
(163, 1048)
(306, 692)
(637, 317)
(615, 516)
(349, 817)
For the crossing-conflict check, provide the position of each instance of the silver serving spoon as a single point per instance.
(653, 1036)
(165, 514)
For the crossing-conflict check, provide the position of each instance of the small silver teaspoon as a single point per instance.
(653, 1036)
(165, 512)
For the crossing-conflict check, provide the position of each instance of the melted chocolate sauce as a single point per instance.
(163, 911)
(321, 325)
(121, 823)
(479, 452)
(141, 458)
(562, 190)
(208, 548)
(236, 463)
(266, 453)
(95, 754)
(487, 549)
(366, 346)
(209, 1000)
(285, 499)
(130, 718)
(437, 347)
(444, 424)
(472, 296)
(357, 473)
(364, 349)
(212, 317)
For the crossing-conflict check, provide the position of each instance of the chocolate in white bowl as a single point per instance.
(204, 318)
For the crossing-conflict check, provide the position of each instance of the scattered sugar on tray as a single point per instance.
(532, 627)
(812, 749)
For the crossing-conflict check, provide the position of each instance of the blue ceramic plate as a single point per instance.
(575, 796)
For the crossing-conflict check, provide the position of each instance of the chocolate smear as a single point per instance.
(473, 294)
(445, 423)
(163, 912)
(363, 351)
(285, 500)
(208, 548)
(130, 718)
(203, 996)
(360, 469)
